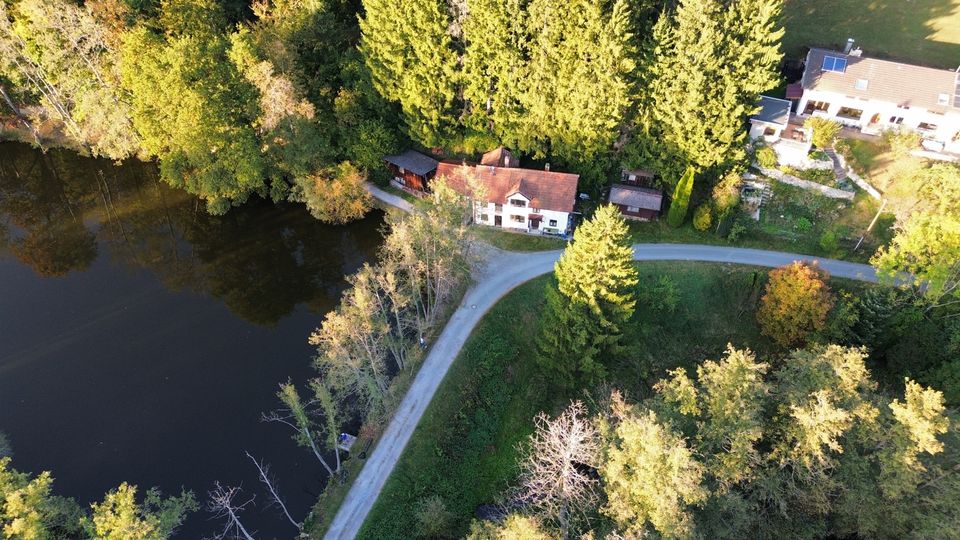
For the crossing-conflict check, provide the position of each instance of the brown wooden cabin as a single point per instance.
(411, 170)
(636, 202)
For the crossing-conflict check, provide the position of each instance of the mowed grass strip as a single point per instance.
(924, 32)
(465, 447)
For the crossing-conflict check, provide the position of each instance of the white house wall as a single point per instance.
(947, 124)
(489, 210)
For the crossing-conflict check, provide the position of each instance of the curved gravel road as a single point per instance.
(505, 271)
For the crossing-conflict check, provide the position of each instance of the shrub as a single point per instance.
(664, 296)
(433, 518)
(830, 241)
(796, 303)
(702, 217)
(803, 225)
(824, 131)
(737, 231)
(901, 141)
(766, 157)
(726, 194)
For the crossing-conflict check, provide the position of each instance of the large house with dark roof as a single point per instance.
(527, 200)
(874, 95)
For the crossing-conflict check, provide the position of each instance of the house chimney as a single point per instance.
(849, 46)
(856, 52)
(546, 166)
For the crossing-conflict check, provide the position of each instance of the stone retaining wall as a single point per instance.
(860, 182)
(826, 191)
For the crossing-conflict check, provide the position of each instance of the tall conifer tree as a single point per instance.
(712, 60)
(578, 85)
(409, 51)
(493, 66)
(592, 301)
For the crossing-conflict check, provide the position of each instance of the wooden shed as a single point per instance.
(636, 202)
(412, 170)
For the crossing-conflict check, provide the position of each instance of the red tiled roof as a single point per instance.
(548, 190)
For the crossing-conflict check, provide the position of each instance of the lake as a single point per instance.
(141, 339)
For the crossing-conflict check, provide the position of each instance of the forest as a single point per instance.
(300, 99)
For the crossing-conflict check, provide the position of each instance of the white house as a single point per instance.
(874, 95)
(527, 200)
(774, 125)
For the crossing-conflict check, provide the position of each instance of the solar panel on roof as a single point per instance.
(834, 64)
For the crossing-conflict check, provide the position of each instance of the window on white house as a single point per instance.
(518, 219)
(943, 99)
(518, 202)
(769, 132)
(498, 208)
(633, 209)
(553, 223)
(484, 217)
(535, 210)
(862, 84)
(896, 120)
(925, 126)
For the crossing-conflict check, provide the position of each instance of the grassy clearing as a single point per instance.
(512, 241)
(917, 31)
(465, 447)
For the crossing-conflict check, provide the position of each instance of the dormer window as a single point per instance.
(518, 203)
(943, 99)
(834, 64)
(862, 84)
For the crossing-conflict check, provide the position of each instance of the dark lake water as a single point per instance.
(140, 338)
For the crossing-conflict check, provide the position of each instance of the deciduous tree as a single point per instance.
(555, 477)
(120, 517)
(796, 303)
(651, 477)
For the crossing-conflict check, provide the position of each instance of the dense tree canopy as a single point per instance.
(803, 447)
(29, 509)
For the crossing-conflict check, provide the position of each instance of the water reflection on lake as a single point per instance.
(140, 338)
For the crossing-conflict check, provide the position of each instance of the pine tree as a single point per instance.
(711, 61)
(592, 300)
(578, 84)
(409, 51)
(681, 199)
(494, 66)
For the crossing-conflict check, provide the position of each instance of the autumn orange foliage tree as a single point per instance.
(796, 303)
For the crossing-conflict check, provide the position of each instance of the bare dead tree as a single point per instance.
(271, 483)
(222, 505)
(557, 479)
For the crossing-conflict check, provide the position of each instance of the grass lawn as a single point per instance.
(465, 447)
(923, 32)
(512, 241)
